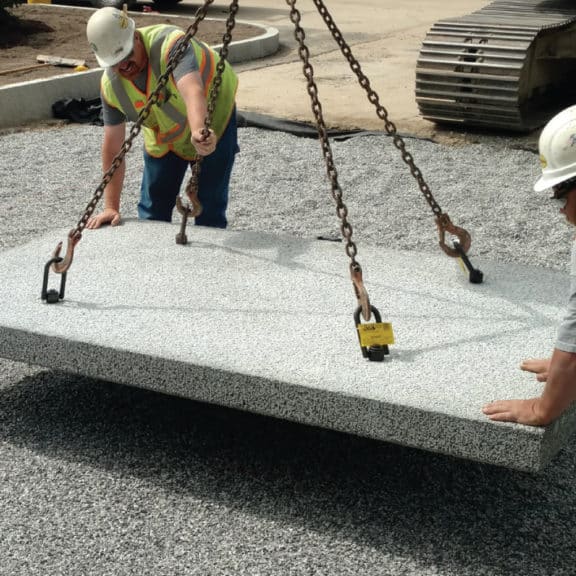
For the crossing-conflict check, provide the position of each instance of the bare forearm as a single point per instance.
(560, 389)
(113, 190)
(196, 111)
(192, 91)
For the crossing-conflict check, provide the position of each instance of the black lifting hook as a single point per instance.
(53, 296)
(374, 353)
(474, 275)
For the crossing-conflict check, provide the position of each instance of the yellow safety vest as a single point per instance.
(166, 128)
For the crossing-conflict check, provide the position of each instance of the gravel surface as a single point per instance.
(102, 479)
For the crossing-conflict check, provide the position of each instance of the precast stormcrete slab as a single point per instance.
(264, 323)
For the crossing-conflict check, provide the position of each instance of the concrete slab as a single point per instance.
(264, 323)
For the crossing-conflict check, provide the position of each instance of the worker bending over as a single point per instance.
(174, 135)
(557, 147)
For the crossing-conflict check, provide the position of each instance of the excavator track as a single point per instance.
(509, 66)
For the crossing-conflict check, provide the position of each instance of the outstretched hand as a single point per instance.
(107, 216)
(520, 411)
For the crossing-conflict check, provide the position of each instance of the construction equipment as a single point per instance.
(507, 66)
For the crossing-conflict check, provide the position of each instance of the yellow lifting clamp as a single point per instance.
(374, 337)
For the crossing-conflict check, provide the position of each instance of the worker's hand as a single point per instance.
(520, 411)
(204, 144)
(538, 366)
(107, 216)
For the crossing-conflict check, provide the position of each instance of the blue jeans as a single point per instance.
(162, 180)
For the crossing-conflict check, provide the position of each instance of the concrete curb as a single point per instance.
(32, 101)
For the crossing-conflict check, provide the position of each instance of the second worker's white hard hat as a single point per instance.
(110, 34)
(557, 147)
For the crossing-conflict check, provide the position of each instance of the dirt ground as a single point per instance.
(61, 31)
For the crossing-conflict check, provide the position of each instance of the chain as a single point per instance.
(381, 111)
(144, 113)
(192, 188)
(226, 40)
(341, 208)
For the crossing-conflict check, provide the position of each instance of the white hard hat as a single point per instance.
(557, 146)
(110, 34)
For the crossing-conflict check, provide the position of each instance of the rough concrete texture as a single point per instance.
(264, 323)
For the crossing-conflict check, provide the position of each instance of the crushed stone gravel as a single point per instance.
(279, 184)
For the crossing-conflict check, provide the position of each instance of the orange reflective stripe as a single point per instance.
(207, 66)
(172, 134)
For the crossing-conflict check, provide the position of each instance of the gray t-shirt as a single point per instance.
(112, 116)
(566, 340)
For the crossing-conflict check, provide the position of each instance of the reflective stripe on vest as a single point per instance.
(128, 106)
(163, 132)
(206, 68)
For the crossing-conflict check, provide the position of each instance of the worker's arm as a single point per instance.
(191, 89)
(113, 139)
(558, 394)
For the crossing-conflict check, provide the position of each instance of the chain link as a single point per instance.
(226, 40)
(192, 188)
(341, 208)
(381, 111)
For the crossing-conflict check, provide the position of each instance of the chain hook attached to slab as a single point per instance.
(60, 266)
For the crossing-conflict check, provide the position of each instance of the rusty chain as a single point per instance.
(341, 208)
(442, 219)
(194, 207)
(75, 234)
(226, 40)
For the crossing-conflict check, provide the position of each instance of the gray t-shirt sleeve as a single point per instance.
(566, 340)
(112, 116)
(187, 64)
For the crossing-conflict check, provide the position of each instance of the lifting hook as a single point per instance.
(444, 225)
(60, 266)
(192, 207)
(360, 290)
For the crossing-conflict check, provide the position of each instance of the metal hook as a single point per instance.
(61, 265)
(444, 225)
(192, 207)
(361, 293)
(185, 211)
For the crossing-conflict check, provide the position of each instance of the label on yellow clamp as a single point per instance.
(375, 334)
